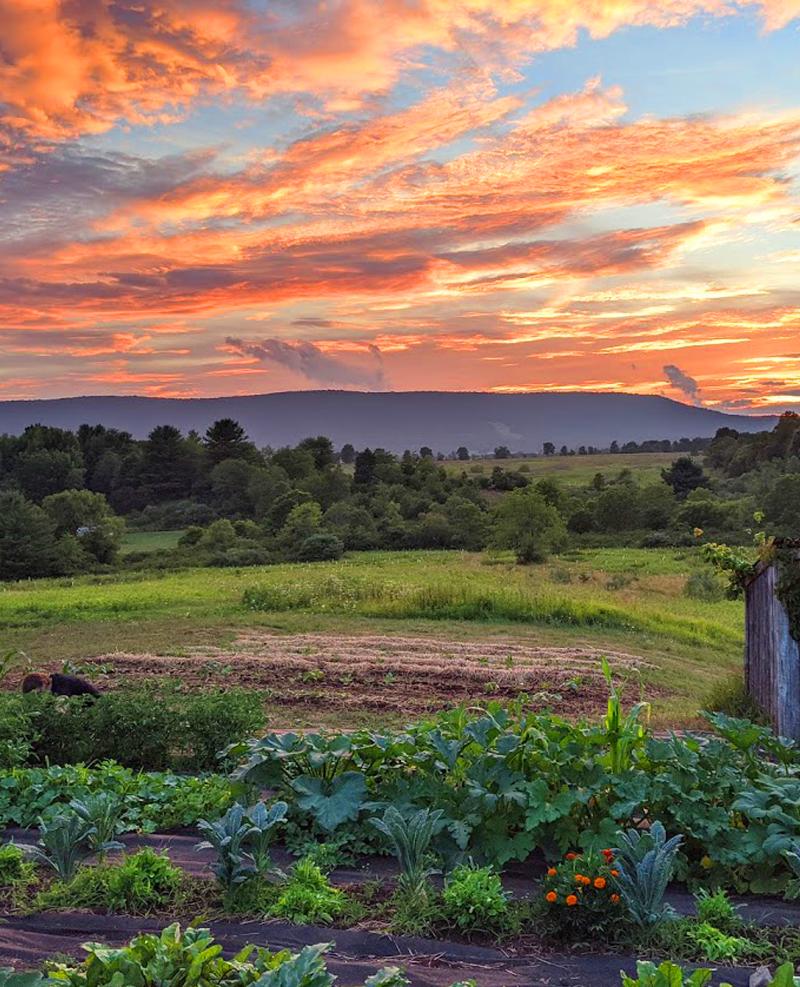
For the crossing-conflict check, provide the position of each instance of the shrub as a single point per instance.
(474, 899)
(320, 548)
(705, 586)
(730, 696)
(171, 730)
(308, 898)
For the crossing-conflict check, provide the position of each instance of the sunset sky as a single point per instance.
(207, 197)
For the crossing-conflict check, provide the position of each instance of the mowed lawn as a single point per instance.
(623, 600)
(576, 470)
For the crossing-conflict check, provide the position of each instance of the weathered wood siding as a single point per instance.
(772, 656)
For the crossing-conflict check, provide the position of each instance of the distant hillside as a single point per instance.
(399, 420)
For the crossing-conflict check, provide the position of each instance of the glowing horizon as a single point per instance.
(204, 199)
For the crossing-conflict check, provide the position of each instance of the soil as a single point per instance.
(407, 676)
(355, 955)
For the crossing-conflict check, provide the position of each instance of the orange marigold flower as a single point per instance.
(600, 882)
(571, 900)
(551, 872)
(572, 856)
(615, 873)
(551, 896)
(579, 878)
(615, 898)
(585, 880)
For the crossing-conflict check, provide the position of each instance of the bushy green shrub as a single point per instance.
(705, 585)
(716, 908)
(171, 730)
(473, 899)
(322, 547)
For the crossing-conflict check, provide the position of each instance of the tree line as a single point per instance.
(63, 496)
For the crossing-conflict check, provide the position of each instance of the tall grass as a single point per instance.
(463, 600)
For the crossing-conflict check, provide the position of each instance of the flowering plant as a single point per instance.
(581, 892)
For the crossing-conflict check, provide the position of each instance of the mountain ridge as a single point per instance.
(398, 420)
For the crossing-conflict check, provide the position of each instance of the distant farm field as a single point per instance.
(631, 603)
(149, 541)
(574, 470)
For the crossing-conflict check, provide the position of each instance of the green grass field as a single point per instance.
(574, 470)
(624, 600)
(149, 541)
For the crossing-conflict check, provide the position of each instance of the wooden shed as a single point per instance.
(772, 655)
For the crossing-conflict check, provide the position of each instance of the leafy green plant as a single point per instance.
(410, 838)
(103, 812)
(227, 837)
(11, 978)
(716, 909)
(474, 899)
(716, 945)
(65, 842)
(262, 821)
(792, 856)
(666, 974)
(307, 897)
(14, 867)
(143, 882)
(645, 862)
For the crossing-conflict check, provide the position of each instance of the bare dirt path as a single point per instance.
(408, 676)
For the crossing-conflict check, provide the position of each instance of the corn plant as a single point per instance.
(65, 842)
(645, 861)
(410, 839)
(624, 733)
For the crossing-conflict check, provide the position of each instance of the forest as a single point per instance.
(68, 498)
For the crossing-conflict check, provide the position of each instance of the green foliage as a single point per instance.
(704, 586)
(581, 895)
(510, 780)
(625, 732)
(103, 812)
(138, 884)
(321, 547)
(171, 729)
(12, 978)
(142, 882)
(151, 801)
(65, 842)
(241, 840)
(716, 945)
(308, 898)
(528, 525)
(474, 900)
(716, 909)
(16, 871)
(410, 838)
(332, 802)
(645, 861)
(666, 974)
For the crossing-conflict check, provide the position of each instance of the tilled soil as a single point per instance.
(406, 675)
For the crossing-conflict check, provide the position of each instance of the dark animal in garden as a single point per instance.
(60, 685)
